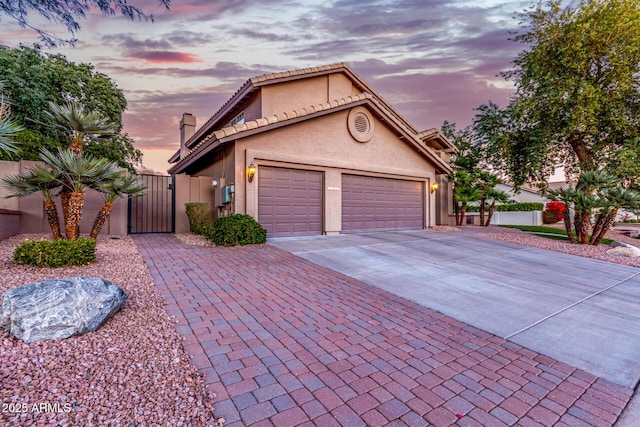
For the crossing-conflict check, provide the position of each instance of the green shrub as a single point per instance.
(198, 214)
(511, 207)
(57, 253)
(521, 207)
(237, 229)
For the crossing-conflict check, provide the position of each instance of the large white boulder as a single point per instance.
(624, 249)
(59, 308)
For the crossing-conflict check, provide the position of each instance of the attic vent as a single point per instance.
(360, 124)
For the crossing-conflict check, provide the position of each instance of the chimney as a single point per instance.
(187, 129)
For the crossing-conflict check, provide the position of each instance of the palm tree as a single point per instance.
(566, 197)
(495, 196)
(8, 127)
(464, 192)
(614, 199)
(486, 182)
(74, 119)
(589, 190)
(42, 180)
(125, 184)
(80, 124)
(76, 173)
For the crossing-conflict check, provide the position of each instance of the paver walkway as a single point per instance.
(285, 342)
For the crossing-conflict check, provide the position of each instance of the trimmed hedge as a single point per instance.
(198, 215)
(57, 253)
(237, 229)
(512, 207)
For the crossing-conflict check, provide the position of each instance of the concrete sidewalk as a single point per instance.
(286, 342)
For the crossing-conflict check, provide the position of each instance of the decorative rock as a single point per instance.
(59, 308)
(624, 249)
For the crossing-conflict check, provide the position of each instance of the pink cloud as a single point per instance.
(165, 56)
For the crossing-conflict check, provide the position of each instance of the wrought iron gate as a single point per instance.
(153, 212)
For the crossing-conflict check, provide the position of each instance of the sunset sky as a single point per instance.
(433, 60)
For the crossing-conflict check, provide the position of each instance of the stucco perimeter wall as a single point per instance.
(9, 223)
(288, 96)
(196, 185)
(31, 208)
(325, 144)
(190, 189)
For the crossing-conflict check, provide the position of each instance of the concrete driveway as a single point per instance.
(580, 311)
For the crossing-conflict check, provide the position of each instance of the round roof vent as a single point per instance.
(360, 124)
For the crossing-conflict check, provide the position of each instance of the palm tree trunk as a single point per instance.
(606, 226)
(65, 196)
(76, 204)
(577, 224)
(77, 145)
(483, 199)
(457, 211)
(585, 220)
(597, 227)
(463, 211)
(104, 213)
(567, 224)
(52, 217)
(492, 208)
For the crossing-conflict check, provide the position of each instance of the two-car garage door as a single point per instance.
(372, 203)
(290, 202)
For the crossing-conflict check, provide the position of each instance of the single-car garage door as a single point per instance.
(372, 203)
(289, 201)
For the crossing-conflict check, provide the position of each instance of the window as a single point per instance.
(237, 120)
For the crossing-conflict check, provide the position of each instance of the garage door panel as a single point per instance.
(373, 203)
(289, 201)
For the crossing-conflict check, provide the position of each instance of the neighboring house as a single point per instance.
(330, 156)
(524, 195)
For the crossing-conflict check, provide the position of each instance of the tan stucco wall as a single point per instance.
(253, 109)
(8, 169)
(220, 167)
(32, 217)
(325, 144)
(288, 96)
(188, 190)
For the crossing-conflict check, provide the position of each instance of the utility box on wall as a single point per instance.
(227, 193)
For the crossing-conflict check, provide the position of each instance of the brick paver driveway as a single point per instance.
(285, 342)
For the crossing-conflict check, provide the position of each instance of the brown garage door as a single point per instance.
(371, 203)
(289, 201)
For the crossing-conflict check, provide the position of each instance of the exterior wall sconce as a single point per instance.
(251, 171)
(434, 187)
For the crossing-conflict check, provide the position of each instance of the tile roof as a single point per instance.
(252, 126)
(254, 83)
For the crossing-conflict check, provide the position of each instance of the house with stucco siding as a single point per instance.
(315, 151)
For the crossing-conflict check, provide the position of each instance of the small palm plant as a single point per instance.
(495, 196)
(73, 119)
(41, 180)
(78, 172)
(123, 185)
(612, 201)
(8, 127)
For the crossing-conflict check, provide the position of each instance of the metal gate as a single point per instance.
(153, 212)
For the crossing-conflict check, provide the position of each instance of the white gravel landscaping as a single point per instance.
(131, 371)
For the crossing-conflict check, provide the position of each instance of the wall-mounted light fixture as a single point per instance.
(434, 187)
(251, 171)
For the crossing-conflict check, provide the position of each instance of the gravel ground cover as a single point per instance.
(133, 371)
(528, 239)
